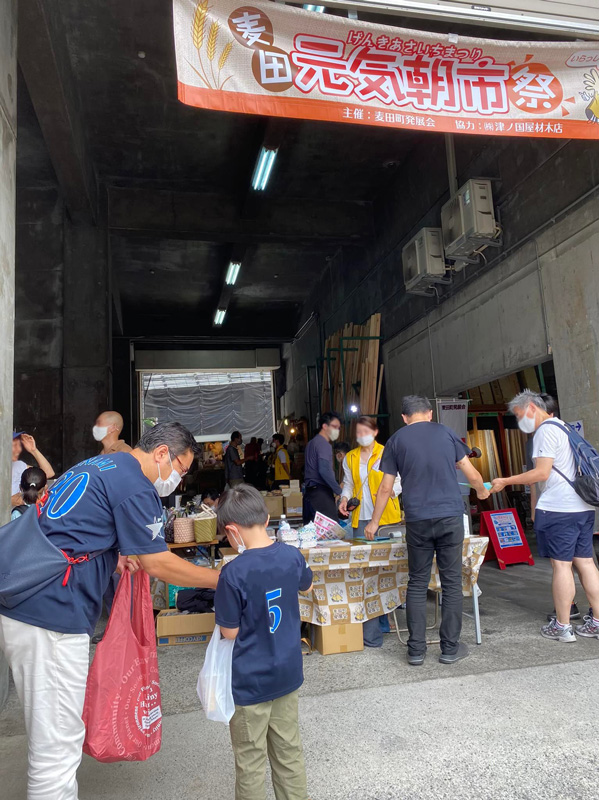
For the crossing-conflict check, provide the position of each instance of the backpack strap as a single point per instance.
(565, 428)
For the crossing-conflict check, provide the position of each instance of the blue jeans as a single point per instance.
(373, 628)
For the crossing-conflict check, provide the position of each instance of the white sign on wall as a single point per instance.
(578, 426)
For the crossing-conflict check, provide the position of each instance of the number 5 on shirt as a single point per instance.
(274, 611)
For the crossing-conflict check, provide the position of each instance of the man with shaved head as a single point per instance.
(107, 430)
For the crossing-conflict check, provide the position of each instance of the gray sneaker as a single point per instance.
(451, 658)
(589, 630)
(551, 631)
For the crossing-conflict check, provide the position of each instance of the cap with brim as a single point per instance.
(16, 435)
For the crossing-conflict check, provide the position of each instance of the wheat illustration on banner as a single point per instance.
(208, 73)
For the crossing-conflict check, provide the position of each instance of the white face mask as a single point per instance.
(334, 434)
(168, 486)
(527, 424)
(365, 441)
(99, 433)
(241, 548)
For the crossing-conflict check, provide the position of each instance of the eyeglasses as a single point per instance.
(184, 470)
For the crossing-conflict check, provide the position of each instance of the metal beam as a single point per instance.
(213, 218)
(44, 59)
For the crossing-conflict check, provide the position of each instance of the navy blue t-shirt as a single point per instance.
(425, 455)
(257, 593)
(104, 502)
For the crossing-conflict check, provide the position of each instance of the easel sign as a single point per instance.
(506, 537)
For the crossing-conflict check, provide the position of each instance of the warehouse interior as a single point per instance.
(131, 210)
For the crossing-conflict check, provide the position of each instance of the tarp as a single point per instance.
(275, 60)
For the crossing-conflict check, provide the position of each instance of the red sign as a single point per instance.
(506, 538)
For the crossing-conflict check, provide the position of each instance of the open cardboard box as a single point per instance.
(173, 627)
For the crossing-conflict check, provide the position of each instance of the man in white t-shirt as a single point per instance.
(564, 523)
(23, 441)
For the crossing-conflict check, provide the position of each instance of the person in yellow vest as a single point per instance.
(362, 478)
(281, 461)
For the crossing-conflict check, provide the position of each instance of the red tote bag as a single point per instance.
(122, 712)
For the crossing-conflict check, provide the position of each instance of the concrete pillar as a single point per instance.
(8, 150)
(86, 332)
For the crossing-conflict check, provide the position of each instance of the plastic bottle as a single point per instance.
(283, 526)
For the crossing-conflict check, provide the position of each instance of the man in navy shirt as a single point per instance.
(107, 504)
(256, 604)
(425, 455)
(319, 476)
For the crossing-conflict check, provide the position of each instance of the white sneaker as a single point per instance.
(557, 633)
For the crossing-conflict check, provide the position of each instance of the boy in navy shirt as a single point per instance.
(256, 604)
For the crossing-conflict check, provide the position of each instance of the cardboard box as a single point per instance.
(173, 627)
(274, 506)
(294, 504)
(294, 485)
(330, 639)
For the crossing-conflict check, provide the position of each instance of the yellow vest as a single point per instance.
(280, 474)
(391, 514)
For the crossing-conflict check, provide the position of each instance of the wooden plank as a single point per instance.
(487, 394)
(475, 396)
(530, 380)
(377, 404)
(497, 393)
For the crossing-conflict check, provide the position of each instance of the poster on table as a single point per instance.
(275, 60)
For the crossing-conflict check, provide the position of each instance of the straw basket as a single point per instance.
(183, 530)
(204, 525)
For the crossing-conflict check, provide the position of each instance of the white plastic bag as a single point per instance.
(214, 682)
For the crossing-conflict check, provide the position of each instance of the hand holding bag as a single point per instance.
(214, 682)
(122, 711)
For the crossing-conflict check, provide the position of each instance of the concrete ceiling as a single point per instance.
(177, 178)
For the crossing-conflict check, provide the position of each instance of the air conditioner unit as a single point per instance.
(423, 260)
(468, 219)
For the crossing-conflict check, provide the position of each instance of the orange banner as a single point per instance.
(274, 60)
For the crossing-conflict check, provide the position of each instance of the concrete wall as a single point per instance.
(495, 319)
(8, 147)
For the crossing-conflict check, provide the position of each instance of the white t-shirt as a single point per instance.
(282, 456)
(366, 504)
(18, 468)
(556, 493)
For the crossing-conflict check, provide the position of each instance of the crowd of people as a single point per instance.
(109, 505)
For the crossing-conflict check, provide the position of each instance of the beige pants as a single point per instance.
(268, 729)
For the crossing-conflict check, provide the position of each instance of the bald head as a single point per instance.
(111, 420)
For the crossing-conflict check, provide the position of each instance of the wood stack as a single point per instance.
(363, 374)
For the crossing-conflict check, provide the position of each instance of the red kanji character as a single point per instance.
(322, 65)
(534, 88)
(377, 72)
(396, 45)
(437, 50)
(483, 86)
(410, 47)
(383, 42)
(450, 51)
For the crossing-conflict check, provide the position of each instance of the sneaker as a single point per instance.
(589, 630)
(574, 613)
(552, 631)
(451, 658)
(416, 661)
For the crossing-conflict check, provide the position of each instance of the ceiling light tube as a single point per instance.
(232, 273)
(263, 169)
(219, 316)
(317, 9)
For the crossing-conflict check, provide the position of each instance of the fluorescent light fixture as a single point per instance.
(232, 273)
(263, 168)
(219, 316)
(317, 9)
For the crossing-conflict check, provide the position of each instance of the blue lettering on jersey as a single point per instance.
(274, 612)
(65, 495)
(101, 462)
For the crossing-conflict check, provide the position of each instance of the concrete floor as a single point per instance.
(517, 719)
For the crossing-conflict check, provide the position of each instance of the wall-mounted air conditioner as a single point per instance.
(468, 219)
(423, 260)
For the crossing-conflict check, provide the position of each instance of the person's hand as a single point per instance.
(370, 530)
(483, 494)
(28, 443)
(343, 507)
(127, 564)
(499, 485)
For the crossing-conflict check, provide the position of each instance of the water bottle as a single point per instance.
(284, 526)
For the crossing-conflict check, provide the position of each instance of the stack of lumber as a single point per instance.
(363, 374)
(500, 392)
(516, 452)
